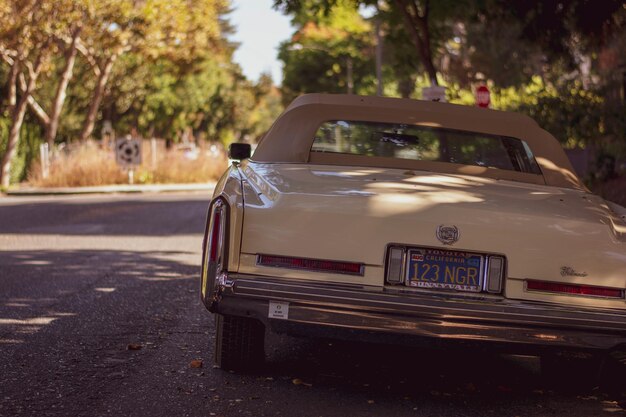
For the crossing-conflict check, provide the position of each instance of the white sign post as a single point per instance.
(128, 155)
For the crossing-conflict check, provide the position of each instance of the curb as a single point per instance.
(111, 189)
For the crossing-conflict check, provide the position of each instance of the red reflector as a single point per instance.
(575, 289)
(215, 234)
(317, 265)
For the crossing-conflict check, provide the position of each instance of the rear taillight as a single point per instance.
(572, 289)
(315, 265)
(215, 247)
(215, 233)
(217, 227)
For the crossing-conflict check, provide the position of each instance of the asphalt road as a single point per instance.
(100, 315)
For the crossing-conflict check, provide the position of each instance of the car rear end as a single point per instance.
(386, 263)
(413, 234)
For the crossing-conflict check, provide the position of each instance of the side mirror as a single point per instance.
(239, 151)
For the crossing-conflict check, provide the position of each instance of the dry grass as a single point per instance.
(174, 168)
(88, 164)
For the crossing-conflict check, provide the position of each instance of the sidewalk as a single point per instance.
(112, 189)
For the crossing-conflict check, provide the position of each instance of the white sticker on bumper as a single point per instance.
(279, 310)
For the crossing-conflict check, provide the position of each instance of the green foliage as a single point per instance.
(572, 114)
(28, 149)
(5, 125)
(27, 152)
(562, 29)
(555, 61)
(211, 97)
(172, 72)
(330, 50)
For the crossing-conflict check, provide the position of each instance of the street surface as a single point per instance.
(100, 315)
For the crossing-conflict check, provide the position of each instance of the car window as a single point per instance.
(424, 143)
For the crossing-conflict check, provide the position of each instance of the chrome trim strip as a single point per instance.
(480, 309)
(389, 310)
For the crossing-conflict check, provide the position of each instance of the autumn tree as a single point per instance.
(330, 51)
(28, 31)
(177, 29)
(425, 22)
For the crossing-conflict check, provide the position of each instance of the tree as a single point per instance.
(425, 22)
(63, 41)
(562, 43)
(25, 38)
(178, 29)
(329, 52)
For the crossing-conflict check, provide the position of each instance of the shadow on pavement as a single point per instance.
(76, 326)
(404, 379)
(124, 217)
(106, 332)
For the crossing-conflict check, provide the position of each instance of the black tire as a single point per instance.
(239, 343)
(613, 376)
(570, 372)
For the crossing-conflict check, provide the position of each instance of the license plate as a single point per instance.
(446, 269)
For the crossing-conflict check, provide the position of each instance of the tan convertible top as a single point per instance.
(291, 136)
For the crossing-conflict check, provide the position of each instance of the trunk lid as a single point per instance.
(352, 214)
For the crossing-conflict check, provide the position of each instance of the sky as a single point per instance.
(259, 29)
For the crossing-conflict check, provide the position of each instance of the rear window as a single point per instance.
(423, 143)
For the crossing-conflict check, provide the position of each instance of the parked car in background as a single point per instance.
(381, 219)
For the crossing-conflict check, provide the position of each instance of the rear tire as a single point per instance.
(239, 343)
(613, 377)
(570, 372)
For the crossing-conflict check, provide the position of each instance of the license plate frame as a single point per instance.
(444, 269)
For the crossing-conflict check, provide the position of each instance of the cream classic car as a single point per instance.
(368, 217)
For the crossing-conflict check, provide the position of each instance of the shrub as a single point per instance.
(89, 164)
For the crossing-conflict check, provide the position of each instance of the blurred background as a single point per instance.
(185, 78)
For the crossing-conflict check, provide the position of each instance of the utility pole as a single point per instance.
(349, 79)
(379, 58)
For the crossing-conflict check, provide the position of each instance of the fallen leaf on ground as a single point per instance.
(133, 346)
(298, 381)
(196, 363)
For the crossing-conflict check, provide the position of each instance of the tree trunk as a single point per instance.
(11, 86)
(59, 98)
(15, 69)
(98, 93)
(406, 86)
(418, 30)
(17, 120)
(5, 167)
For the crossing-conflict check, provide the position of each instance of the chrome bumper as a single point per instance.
(356, 308)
